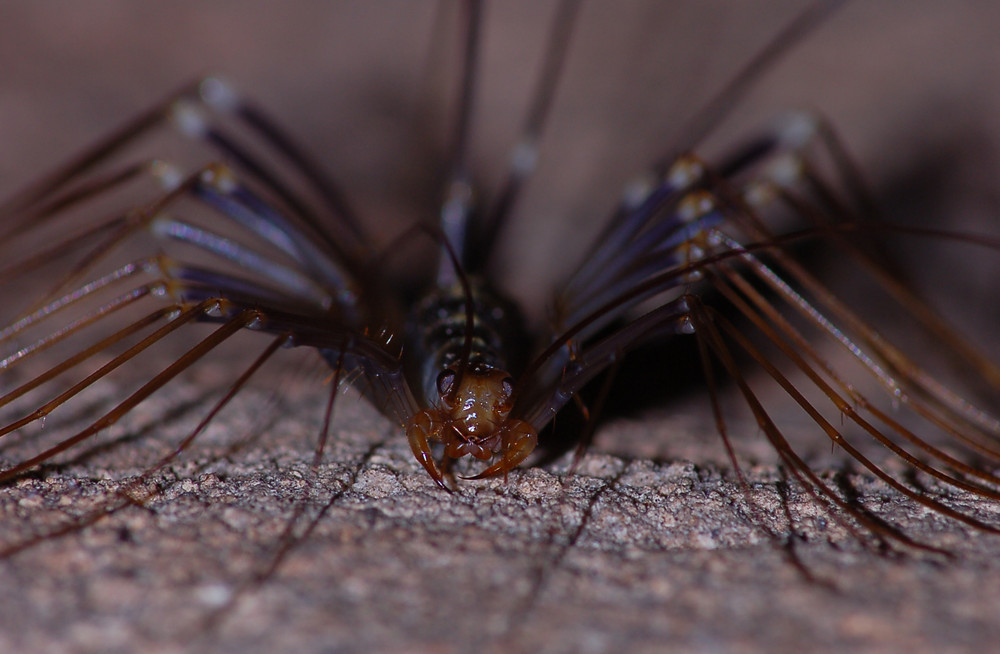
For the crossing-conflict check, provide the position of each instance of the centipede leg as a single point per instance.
(518, 442)
(184, 108)
(422, 427)
(127, 496)
(223, 333)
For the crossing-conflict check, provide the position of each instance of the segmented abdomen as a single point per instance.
(442, 313)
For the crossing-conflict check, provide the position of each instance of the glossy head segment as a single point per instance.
(471, 417)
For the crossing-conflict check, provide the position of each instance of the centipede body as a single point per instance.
(625, 583)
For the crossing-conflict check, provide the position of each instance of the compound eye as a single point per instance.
(446, 382)
(508, 387)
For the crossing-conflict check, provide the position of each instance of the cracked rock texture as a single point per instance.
(650, 544)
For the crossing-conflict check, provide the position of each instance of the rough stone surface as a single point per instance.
(650, 544)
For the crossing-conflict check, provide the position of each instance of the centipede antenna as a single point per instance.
(139, 275)
(456, 206)
(458, 158)
(525, 153)
(719, 107)
(459, 274)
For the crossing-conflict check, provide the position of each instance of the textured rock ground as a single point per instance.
(650, 544)
(624, 553)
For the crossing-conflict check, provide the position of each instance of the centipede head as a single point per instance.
(472, 417)
(473, 406)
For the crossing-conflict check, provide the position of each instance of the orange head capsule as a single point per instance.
(472, 417)
(476, 402)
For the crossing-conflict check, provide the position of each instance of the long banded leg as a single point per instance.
(185, 316)
(888, 429)
(181, 108)
(840, 234)
(707, 332)
(539, 403)
(231, 201)
(839, 438)
(130, 494)
(795, 348)
(174, 281)
(897, 372)
(184, 283)
(235, 324)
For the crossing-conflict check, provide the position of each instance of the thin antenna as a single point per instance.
(525, 153)
(718, 108)
(456, 207)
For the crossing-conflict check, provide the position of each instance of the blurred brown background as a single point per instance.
(907, 87)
